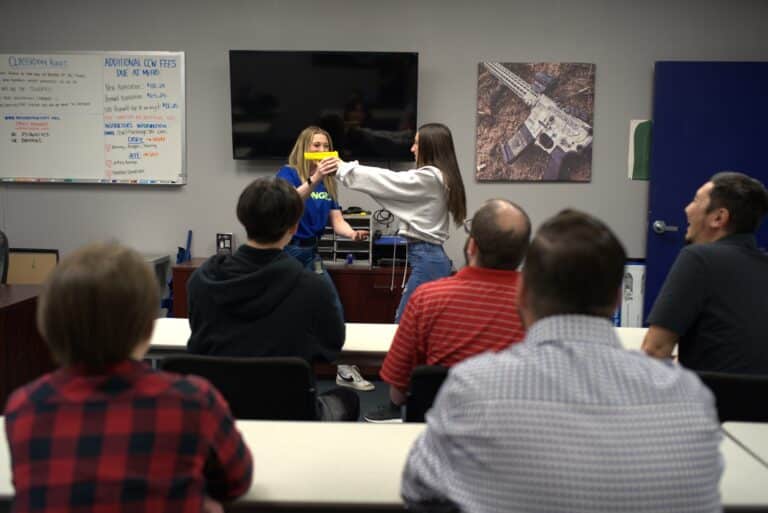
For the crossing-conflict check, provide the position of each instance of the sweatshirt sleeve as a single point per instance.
(404, 193)
(386, 185)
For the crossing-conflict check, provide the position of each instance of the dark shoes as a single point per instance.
(385, 414)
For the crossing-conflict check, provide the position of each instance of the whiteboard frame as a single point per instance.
(183, 177)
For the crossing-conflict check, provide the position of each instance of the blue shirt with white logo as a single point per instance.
(316, 207)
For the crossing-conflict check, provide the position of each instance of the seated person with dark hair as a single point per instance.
(263, 302)
(105, 432)
(568, 420)
(453, 318)
(713, 300)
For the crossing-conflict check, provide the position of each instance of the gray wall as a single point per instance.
(622, 38)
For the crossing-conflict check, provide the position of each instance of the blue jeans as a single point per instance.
(307, 255)
(428, 262)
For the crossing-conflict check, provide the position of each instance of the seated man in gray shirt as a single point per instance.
(713, 303)
(568, 420)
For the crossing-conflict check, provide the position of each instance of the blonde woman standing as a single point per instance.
(318, 190)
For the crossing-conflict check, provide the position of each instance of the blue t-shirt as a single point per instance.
(316, 207)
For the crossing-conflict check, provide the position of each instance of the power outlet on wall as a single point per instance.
(224, 243)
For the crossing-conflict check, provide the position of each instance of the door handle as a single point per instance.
(661, 227)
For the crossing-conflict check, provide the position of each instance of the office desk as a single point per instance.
(293, 455)
(23, 354)
(290, 456)
(171, 334)
(180, 275)
(753, 435)
(631, 338)
(365, 345)
(743, 486)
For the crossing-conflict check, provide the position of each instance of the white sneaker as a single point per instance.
(349, 376)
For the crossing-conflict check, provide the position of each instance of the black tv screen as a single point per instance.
(365, 100)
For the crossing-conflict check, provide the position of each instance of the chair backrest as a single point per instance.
(3, 257)
(255, 388)
(738, 397)
(426, 381)
(26, 266)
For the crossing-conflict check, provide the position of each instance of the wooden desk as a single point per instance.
(288, 456)
(180, 274)
(753, 435)
(23, 354)
(368, 295)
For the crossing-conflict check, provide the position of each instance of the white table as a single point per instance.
(363, 462)
(173, 333)
(170, 334)
(631, 338)
(753, 435)
(289, 458)
(745, 479)
(365, 345)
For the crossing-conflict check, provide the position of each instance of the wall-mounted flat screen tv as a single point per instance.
(365, 100)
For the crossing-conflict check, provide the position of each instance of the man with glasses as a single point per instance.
(451, 319)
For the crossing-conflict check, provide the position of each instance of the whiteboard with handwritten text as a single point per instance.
(93, 117)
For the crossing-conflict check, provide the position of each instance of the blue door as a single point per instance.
(707, 117)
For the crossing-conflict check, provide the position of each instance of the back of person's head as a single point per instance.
(575, 265)
(268, 208)
(744, 197)
(436, 149)
(302, 145)
(98, 305)
(501, 230)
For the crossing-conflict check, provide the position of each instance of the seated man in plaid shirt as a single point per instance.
(105, 432)
(449, 320)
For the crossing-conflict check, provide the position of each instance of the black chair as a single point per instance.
(426, 381)
(3, 257)
(739, 397)
(255, 388)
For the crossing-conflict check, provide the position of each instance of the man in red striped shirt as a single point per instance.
(451, 319)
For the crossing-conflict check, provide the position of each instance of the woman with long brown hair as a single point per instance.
(422, 199)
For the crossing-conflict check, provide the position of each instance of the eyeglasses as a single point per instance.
(467, 225)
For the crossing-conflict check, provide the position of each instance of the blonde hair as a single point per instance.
(297, 161)
(98, 305)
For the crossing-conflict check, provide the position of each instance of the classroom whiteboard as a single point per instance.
(94, 117)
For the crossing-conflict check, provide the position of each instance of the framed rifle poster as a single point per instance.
(534, 122)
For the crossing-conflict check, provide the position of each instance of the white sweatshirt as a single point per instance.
(418, 197)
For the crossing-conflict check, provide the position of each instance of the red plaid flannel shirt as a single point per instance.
(131, 439)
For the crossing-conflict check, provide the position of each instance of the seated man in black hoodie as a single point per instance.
(261, 301)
